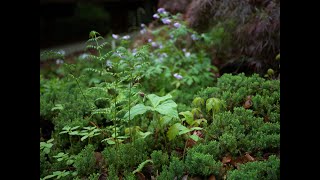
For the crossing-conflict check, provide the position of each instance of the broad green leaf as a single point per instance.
(140, 167)
(144, 134)
(69, 162)
(155, 100)
(46, 150)
(110, 141)
(213, 104)
(174, 131)
(136, 110)
(194, 137)
(165, 120)
(168, 108)
(184, 130)
(51, 140)
(66, 128)
(198, 102)
(188, 117)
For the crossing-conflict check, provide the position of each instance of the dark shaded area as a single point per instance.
(46, 128)
(64, 22)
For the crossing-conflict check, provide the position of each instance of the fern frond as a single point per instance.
(101, 111)
(91, 47)
(141, 165)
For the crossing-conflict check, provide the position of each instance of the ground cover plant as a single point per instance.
(154, 107)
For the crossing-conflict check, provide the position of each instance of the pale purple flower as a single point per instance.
(149, 40)
(163, 55)
(142, 25)
(184, 50)
(134, 51)
(177, 76)
(166, 21)
(156, 16)
(160, 46)
(143, 31)
(154, 44)
(177, 25)
(194, 37)
(115, 36)
(59, 61)
(126, 37)
(161, 10)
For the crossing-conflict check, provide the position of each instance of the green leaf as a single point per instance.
(57, 107)
(155, 100)
(84, 137)
(168, 108)
(76, 127)
(188, 117)
(198, 102)
(165, 120)
(194, 137)
(140, 167)
(174, 130)
(144, 134)
(196, 128)
(213, 104)
(136, 110)
(74, 133)
(110, 141)
(46, 150)
(50, 140)
(184, 130)
(50, 176)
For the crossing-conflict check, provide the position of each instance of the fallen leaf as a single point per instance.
(185, 177)
(248, 103)
(140, 176)
(212, 177)
(226, 159)
(250, 158)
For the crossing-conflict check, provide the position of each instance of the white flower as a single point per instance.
(156, 16)
(149, 40)
(177, 76)
(142, 25)
(109, 63)
(61, 51)
(126, 37)
(184, 50)
(187, 54)
(115, 36)
(83, 56)
(59, 61)
(194, 37)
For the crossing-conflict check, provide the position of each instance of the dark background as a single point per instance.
(67, 21)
